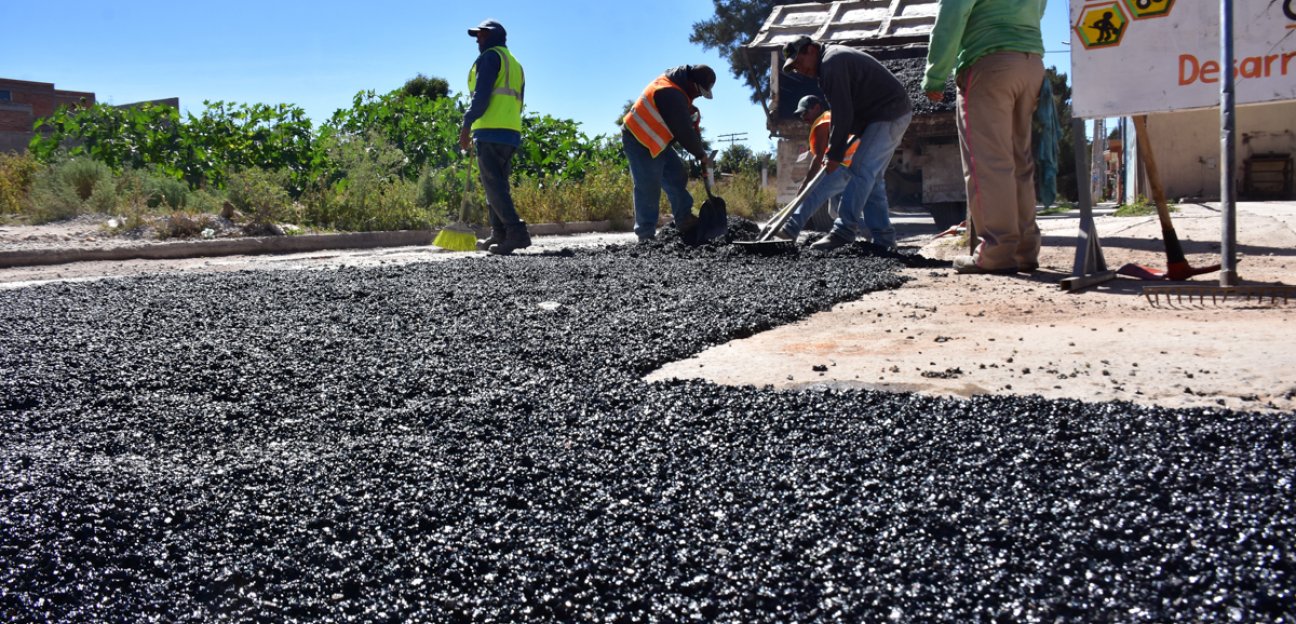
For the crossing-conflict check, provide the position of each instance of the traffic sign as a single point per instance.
(1101, 25)
(1140, 9)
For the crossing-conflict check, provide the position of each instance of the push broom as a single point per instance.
(459, 236)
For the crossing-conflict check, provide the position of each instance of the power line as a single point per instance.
(733, 137)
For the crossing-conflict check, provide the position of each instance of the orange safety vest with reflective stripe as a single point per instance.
(826, 120)
(645, 122)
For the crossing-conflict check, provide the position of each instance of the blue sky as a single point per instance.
(584, 58)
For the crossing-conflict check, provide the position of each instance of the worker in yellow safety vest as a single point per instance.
(665, 114)
(812, 110)
(493, 124)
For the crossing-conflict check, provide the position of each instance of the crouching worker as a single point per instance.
(493, 122)
(812, 110)
(662, 115)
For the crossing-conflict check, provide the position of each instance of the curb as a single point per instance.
(259, 245)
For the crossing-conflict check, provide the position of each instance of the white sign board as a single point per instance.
(1132, 57)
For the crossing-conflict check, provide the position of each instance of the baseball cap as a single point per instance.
(489, 24)
(703, 77)
(792, 49)
(808, 101)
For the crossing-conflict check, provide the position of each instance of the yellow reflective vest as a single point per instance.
(505, 109)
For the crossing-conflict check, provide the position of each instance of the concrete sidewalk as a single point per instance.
(966, 335)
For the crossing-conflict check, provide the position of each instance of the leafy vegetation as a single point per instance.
(1141, 207)
(16, 175)
(390, 161)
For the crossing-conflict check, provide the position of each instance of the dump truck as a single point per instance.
(926, 172)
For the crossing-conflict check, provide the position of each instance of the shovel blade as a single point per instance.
(713, 222)
(1138, 271)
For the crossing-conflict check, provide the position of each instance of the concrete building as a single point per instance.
(23, 102)
(1186, 147)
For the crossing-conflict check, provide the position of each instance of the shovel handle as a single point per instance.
(785, 213)
(708, 179)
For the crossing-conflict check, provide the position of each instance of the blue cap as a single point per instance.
(808, 101)
(490, 25)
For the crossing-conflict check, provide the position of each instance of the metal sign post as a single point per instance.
(1141, 57)
(1228, 155)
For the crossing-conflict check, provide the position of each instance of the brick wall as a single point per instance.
(15, 117)
(29, 101)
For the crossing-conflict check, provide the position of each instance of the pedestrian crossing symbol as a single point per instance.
(1102, 25)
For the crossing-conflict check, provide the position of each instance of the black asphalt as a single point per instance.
(470, 440)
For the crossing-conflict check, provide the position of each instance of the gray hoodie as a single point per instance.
(860, 91)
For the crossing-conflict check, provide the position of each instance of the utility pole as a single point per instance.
(732, 137)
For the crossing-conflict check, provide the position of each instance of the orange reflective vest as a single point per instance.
(826, 120)
(645, 122)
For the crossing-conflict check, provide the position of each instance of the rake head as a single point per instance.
(1197, 295)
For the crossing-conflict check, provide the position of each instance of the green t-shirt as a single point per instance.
(967, 30)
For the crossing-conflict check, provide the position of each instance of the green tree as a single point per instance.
(738, 158)
(425, 87)
(734, 25)
(425, 131)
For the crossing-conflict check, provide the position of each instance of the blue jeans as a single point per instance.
(864, 200)
(830, 185)
(651, 176)
(495, 163)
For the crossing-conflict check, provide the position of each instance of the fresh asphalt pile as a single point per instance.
(471, 440)
(910, 72)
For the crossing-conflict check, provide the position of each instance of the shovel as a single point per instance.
(1177, 267)
(713, 217)
(765, 242)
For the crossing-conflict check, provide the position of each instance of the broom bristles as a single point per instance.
(457, 237)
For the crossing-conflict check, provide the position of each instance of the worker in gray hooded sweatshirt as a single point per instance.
(868, 102)
(665, 114)
(494, 123)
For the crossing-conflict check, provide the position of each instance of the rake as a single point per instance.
(1218, 294)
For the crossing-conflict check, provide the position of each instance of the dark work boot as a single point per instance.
(687, 229)
(830, 242)
(496, 237)
(515, 237)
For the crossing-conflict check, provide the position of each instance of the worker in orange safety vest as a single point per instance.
(665, 114)
(812, 110)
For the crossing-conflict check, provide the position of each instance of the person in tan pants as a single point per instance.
(999, 50)
(998, 93)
